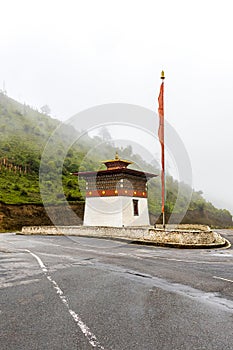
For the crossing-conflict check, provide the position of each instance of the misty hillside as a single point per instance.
(24, 133)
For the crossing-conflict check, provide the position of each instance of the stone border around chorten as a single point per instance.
(188, 236)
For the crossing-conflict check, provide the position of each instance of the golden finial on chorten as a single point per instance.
(117, 156)
(162, 75)
(116, 163)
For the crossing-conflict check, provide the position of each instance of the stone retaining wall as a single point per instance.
(173, 237)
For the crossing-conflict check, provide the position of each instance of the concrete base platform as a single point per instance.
(181, 236)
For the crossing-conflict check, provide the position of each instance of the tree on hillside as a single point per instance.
(45, 109)
(104, 134)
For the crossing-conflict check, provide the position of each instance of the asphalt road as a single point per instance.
(84, 293)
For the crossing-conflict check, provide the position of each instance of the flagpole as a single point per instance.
(163, 161)
(161, 139)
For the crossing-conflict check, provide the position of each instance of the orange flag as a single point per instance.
(161, 139)
(161, 114)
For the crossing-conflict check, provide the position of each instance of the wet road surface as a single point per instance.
(85, 293)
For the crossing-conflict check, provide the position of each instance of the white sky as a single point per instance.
(76, 54)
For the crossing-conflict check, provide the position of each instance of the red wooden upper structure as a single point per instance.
(116, 180)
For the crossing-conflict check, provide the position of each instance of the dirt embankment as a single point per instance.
(14, 216)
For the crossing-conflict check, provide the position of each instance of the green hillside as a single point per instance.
(24, 133)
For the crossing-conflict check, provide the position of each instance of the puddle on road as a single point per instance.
(222, 254)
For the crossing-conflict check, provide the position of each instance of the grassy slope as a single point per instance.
(23, 135)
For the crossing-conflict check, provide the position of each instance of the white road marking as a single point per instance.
(221, 278)
(84, 328)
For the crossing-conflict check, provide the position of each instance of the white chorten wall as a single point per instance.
(115, 211)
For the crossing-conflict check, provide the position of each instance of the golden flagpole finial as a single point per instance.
(162, 75)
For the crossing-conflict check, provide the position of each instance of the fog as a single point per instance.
(73, 55)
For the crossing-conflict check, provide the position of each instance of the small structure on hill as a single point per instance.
(116, 196)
